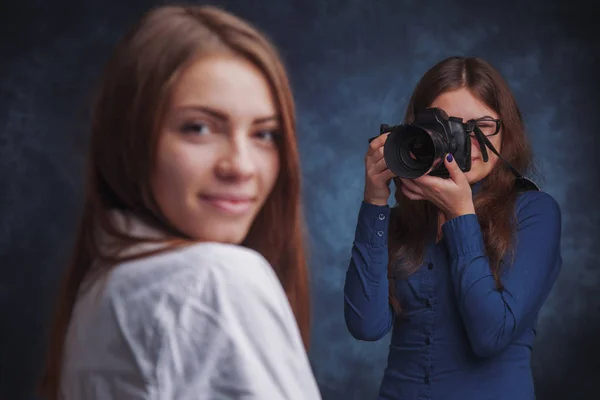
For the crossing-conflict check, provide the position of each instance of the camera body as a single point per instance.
(417, 149)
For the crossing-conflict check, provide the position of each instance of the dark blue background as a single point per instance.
(353, 65)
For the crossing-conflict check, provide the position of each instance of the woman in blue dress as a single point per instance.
(458, 268)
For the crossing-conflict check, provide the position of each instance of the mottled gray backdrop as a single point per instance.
(353, 65)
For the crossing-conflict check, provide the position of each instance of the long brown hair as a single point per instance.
(133, 94)
(414, 223)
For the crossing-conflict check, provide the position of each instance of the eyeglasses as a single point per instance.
(488, 126)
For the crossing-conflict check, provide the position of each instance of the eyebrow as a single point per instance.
(485, 116)
(223, 117)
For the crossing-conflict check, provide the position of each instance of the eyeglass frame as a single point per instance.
(498, 123)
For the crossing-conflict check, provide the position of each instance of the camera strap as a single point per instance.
(521, 182)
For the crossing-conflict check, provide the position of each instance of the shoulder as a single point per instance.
(234, 271)
(537, 203)
(209, 289)
(203, 269)
(182, 310)
(217, 281)
(233, 268)
(540, 211)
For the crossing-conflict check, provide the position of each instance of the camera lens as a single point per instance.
(412, 151)
(420, 149)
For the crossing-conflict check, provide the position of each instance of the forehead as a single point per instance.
(462, 103)
(227, 83)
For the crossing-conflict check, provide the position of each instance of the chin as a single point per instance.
(211, 226)
(217, 231)
(227, 236)
(472, 177)
(477, 175)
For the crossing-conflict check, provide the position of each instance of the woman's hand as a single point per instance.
(452, 196)
(377, 174)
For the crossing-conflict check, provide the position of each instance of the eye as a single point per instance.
(268, 135)
(487, 126)
(195, 128)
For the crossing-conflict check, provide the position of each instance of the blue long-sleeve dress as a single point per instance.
(459, 337)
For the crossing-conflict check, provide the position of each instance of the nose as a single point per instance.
(236, 162)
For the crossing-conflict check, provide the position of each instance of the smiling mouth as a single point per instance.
(230, 205)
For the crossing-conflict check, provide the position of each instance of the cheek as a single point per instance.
(480, 169)
(497, 142)
(269, 167)
(176, 174)
(475, 150)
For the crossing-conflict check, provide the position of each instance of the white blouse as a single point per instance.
(209, 321)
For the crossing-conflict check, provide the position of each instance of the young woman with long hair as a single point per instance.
(459, 267)
(188, 278)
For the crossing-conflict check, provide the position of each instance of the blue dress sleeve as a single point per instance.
(492, 317)
(367, 311)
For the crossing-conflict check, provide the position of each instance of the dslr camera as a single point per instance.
(417, 149)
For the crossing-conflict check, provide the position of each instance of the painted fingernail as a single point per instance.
(449, 157)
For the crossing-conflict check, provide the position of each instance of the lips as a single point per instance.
(230, 204)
